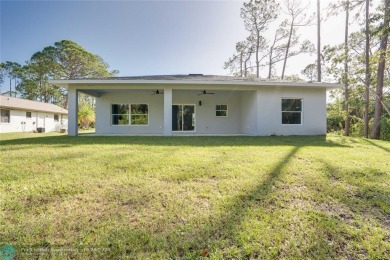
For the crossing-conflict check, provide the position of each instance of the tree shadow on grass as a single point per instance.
(361, 194)
(360, 201)
(223, 227)
(386, 149)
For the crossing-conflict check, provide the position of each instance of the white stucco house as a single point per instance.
(22, 115)
(197, 104)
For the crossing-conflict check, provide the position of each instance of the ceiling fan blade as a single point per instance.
(157, 92)
(204, 92)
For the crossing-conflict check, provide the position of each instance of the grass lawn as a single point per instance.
(187, 197)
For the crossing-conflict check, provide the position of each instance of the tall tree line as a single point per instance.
(364, 56)
(360, 62)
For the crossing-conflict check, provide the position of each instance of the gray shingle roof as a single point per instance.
(29, 105)
(190, 77)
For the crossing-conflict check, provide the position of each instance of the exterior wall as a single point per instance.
(206, 120)
(270, 114)
(251, 112)
(248, 112)
(19, 122)
(155, 107)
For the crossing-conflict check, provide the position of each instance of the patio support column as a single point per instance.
(168, 111)
(72, 111)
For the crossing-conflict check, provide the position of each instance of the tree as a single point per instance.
(36, 74)
(346, 76)
(368, 73)
(65, 60)
(298, 17)
(2, 72)
(257, 14)
(381, 69)
(276, 49)
(11, 70)
(241, 58)
(346, 6)
(310, 71)
(319, 41)
(76, 62)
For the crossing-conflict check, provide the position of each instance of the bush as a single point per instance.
(335, 121)
(86, 116)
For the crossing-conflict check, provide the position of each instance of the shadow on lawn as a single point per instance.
(362, 195)
(377, 145)
(229, 224)
(223, 228)
(196, 141)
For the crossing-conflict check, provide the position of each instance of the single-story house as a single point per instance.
(22, 115)
(198, 104)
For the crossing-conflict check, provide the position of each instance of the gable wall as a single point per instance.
(270, 114)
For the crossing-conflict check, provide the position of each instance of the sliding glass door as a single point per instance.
(183, 118)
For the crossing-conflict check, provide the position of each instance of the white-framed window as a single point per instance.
(139, 114)
(221, 110)
(119, 114)
(133, 114)
(56, 118)
(28, 114)
(291, 111)
(5, 116)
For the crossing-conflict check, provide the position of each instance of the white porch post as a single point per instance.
(72, 111)
(168, 111)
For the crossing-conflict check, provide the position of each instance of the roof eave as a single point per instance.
(34, 110)
(67, 83)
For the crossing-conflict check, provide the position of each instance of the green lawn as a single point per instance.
(187, 197)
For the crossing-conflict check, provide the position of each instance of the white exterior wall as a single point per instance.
(20, 123)
(251, 112)
(206, 120)
(155, 106)
(270, 111)
(248, 112)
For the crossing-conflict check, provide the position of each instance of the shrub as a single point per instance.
(86, 116)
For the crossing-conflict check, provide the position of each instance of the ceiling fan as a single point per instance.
(157, 92)
(204, 92)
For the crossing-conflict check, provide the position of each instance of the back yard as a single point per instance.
(186, 197)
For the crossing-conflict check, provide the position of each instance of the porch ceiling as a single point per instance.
(151, 91)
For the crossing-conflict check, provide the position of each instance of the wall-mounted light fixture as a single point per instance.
(200, 102)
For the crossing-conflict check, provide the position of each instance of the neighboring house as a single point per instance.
(197, 104)
(22, 115)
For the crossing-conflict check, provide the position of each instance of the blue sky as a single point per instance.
(144, 37)
(137, 38)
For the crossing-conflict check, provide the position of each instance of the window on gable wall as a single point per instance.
(291, 111)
